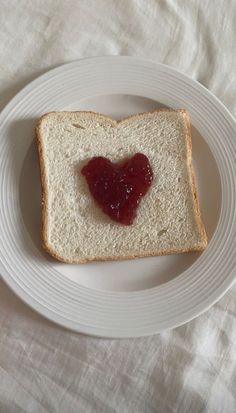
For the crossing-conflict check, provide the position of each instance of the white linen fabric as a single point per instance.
(44, 368)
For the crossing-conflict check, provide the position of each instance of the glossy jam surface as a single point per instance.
(118, 188)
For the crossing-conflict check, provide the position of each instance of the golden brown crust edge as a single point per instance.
(127, 257)
(44, 196)
(197, 212)
(44, 202)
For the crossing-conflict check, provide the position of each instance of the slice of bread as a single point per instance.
(74, 228)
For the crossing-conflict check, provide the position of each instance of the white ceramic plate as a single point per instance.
(126, 298)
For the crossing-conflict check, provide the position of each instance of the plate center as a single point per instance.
(128, 275)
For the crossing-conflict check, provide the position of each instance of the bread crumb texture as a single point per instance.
(167, 219)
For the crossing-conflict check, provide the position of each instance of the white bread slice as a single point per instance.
(74, 228)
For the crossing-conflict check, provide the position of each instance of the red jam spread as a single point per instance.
(118, 188)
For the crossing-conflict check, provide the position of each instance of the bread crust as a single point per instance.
(141, 254)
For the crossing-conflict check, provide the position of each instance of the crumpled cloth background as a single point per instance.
(44, 368)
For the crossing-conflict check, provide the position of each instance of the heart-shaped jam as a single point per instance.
(118, 188)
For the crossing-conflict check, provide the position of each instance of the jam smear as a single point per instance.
(118, 188)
